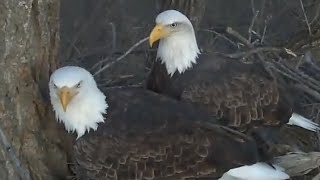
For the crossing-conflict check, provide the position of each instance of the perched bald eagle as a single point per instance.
(132, 133)
(240, 94)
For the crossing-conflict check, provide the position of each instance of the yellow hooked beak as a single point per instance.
(157, 33)
(66, 95)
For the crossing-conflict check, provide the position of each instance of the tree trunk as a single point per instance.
(29, 38)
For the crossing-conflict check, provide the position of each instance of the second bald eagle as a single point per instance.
(238, 93)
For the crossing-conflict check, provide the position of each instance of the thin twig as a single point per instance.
(299, 62)
(315, 18)
(114, 46)
(309, 91)
(121, 57)
(22, 171)
(220, 35)
(114, 37)
(75, 48)
(83, 27)
(84, 55)
(101, 62)
(252, 51)
(300, 77)
(266, 22)
(239, 36)
(252, 24)
(263, 7)
(250, 46)
(305, 17)
(138, 85)
(253, 7)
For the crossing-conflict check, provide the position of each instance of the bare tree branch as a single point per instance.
(239, 36)
(220, 35)
(123, 56)
(114, 37)
(306, 18)
(252, 24)
(83, 27)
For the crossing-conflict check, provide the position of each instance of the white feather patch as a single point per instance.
(303, 122)
(86, 109)
(258, 171)
(83, 114)
(179, 51)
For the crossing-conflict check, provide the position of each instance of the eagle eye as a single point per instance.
(173, 24)
(78, 85)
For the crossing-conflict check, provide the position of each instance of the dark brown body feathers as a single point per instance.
(238, 93)
(147, 136)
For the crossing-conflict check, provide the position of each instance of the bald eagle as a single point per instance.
(237, 93)
(132, 133)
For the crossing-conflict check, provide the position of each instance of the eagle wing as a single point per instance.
(239, 98)
(238, 93)
(140, 144)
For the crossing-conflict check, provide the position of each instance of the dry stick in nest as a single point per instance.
(253, 51)
(114, 46)
(101, 62)
(114, 37)
(83, 27)
(22, 171)
(299, 77)
(315, 18)
(303, 78)
(305, 82)
(311, 92)
(220, 35)
(301, 85)
(251, 25)
(121, 57)
(258, 51)
(306, 18)
(250, 46)
(239, 37)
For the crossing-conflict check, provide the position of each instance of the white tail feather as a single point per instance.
(258, 171)
(303, 122)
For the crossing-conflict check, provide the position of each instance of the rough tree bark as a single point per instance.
(29, 35)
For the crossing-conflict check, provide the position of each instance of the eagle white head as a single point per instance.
(178, 47)
(76, 99)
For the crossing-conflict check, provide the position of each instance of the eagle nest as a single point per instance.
(293, 64)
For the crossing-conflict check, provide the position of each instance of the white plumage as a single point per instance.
(178, 50)
(86, 108)
(258, 171)
(303, 122)
(171, 16)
